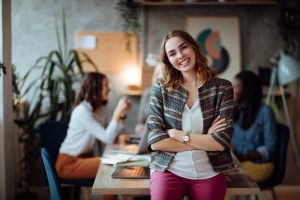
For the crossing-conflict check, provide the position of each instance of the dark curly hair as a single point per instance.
(91, 90)
(251, 97)
(172, 76)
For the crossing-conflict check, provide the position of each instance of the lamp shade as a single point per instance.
(288, 69)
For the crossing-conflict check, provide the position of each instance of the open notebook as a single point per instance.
(128, 153)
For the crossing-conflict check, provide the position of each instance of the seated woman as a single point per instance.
(254, 137)
(87, 124)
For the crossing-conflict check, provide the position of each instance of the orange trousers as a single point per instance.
(70, 167)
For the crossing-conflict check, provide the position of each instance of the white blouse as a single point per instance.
(192, 164)
(85, 128)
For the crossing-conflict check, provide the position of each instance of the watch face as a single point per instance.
(186, 138)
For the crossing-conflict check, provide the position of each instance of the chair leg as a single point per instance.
(273, 194)
(232, 197)
(268, 193)
(71, 192)
(86, 193)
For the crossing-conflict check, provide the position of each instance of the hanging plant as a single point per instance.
(129, 11)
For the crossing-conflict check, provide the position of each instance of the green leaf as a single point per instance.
(57, 36)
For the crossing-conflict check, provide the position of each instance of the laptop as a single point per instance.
(131, 172)
(141, 148)
(143, 144)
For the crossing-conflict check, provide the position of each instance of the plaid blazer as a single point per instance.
(166, 108)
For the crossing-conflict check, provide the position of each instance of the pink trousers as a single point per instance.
(166, 186)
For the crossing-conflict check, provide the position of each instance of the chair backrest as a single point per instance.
(280, 158)
(52, 134)
(53, 181)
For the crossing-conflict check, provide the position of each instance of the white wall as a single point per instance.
(7, 136)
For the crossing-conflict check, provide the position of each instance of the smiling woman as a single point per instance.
(191, 113)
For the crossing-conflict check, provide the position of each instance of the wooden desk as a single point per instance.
(239, 184)
(104, 184)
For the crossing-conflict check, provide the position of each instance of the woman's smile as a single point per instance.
(180, 54)
(184, 62)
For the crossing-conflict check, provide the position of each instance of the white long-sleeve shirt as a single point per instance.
(84, 129)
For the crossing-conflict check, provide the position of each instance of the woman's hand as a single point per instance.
(122, 109)
(218, 125)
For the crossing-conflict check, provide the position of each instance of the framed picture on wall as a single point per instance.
(219, 39)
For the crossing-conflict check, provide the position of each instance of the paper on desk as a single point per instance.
(115, 159)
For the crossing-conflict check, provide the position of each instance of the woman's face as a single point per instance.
(237, 88)
(180, 54)
(105, 89)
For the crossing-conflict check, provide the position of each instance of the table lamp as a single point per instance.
(287, 71)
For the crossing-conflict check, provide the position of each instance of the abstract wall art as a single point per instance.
(219, 39)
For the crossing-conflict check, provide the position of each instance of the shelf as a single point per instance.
(133, 92)
(213, 3)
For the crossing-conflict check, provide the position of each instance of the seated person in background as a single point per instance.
(145, 101)
(254, 137)
(87, 124)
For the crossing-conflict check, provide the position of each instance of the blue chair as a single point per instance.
(54, 184)
(279, 160)
(52, 134)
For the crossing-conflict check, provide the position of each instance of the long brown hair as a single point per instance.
(91, 90)
(251, 97)
(172, 76)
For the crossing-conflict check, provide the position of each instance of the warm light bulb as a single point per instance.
(131, 75)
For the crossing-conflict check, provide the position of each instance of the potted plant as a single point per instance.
(52, 96)
(129, 11)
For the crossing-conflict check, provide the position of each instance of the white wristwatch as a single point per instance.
(186, 137)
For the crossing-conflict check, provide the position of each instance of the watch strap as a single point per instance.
(188, 133)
